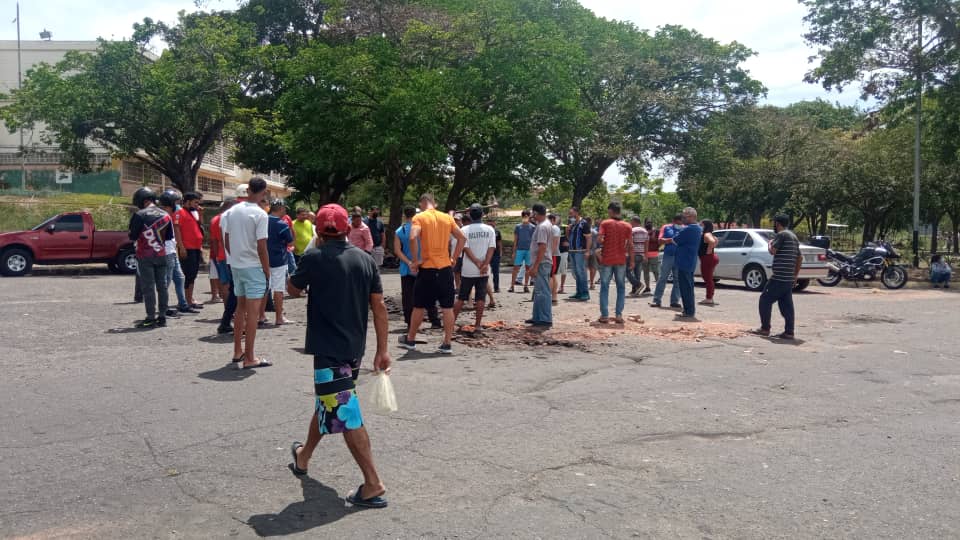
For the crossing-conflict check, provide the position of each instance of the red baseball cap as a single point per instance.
(332, 220)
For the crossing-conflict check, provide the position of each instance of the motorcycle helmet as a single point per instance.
(142, 195)
(170, 197)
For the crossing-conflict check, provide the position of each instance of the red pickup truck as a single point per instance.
(69, 238)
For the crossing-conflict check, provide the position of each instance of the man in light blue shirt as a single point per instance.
(402, 251)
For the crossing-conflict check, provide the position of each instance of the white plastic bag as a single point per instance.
(384, 398)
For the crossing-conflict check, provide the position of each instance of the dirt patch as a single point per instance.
(584, 335)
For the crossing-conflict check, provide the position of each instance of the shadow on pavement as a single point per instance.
(320, 506)
(419, 355)
(227, 373)
(208, 321)
(130, 330)
(218, 338)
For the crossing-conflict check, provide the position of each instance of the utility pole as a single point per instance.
(23, 151)
(916, 147)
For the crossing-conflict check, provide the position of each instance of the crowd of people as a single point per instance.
(258, 254)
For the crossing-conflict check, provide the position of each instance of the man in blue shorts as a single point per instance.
(344, 286)
(522, 235)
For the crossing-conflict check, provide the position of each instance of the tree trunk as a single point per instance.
(756, 216)
(461, 181)
(955, 238)
(591, 179)
(398, 179)
(824, 217)
(934, 234)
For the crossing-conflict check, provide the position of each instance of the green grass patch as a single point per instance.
(21, 213)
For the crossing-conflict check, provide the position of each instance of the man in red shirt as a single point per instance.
(616, 256)
(218, 255)
(189, 242)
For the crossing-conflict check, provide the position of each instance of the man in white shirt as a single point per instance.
(640, 238)
(475, 272)
(245, 228)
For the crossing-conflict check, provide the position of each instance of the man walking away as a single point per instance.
(540, 269)
(651, 263)
(189, 243)
(408, 277)
(640, 236)
(376, 233)
(477, 254)
(522, 235)
(343, 285)
(688, 248)
(616, 257)
(430, 243)
(149, 228)
(555, 257)
(666, 268)
(580, 239)
(245, 241)
(279, 236)
(787, 260)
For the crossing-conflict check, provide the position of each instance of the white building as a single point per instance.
(218, 175)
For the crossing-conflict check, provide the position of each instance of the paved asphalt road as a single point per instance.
(852, 433)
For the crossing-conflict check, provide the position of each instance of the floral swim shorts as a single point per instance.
(337, 406)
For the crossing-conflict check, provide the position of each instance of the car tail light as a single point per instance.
(822, 257)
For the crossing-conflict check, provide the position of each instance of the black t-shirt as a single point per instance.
(498, 239)
(341, 279)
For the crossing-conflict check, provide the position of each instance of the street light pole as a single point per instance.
(23, 152)
(916, 147)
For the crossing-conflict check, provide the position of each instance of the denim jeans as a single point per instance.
(291, 264)
(634, 274)
(940, 277)
(175, 274)
(651, 265)
(542, 296)
(667, 268)
(684, 279)
(495, 270)
(781, 293)
(578, 261)
(152, 276)
(619, 275)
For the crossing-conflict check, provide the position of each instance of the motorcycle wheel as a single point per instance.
(894, 277)
(832, 280)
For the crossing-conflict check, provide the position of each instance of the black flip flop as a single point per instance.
(293, 466)
(372, 502)
(259, 364)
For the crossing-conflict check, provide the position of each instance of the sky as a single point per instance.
(772, 28)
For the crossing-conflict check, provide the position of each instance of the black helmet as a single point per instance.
(170, 197)
(142, 195)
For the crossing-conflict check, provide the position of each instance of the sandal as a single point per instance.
(260, 363)
(373, 502)
(293, 466)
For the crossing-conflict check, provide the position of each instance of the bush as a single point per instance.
(21, 213)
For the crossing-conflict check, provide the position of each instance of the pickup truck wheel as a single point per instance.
(127, 261)
(16, 262)
(754, 277)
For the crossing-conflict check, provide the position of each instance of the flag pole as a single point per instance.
(23, 151)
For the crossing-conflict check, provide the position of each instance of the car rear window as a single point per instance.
(733, 239)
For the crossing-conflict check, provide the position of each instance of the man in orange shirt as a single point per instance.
(616, 256)
(430, 243)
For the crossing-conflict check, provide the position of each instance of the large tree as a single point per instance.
(166, 111)
(645, 94)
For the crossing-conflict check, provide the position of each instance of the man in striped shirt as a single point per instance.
(787, 259)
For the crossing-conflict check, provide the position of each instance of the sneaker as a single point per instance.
(172, 313)
(676, 306)
(446, 348)
(708, 302)
(196, 306)
(656, 305)
(147, 323)
(225, 329)
(188, 309)
(633, 291)
(406, 344)
(161, 321)
(436, 325)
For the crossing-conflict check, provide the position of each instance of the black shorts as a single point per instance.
(190, 266)
(434, 286)
(479, 284)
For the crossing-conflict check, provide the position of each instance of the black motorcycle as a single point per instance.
(874, 260)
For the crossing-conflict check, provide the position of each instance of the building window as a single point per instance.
(140, 173)
(209, 185)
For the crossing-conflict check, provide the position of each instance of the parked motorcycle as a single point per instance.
(875, 260)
